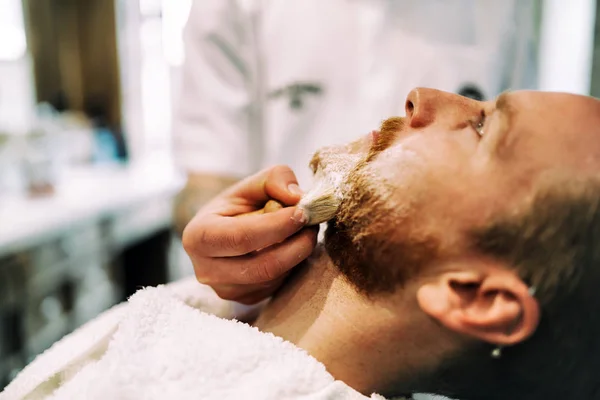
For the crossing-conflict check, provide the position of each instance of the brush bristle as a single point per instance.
(320, 204)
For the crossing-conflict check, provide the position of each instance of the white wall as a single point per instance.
(17, 95)
(566, 45)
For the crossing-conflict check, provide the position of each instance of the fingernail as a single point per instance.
(295, 189)
(300, 216)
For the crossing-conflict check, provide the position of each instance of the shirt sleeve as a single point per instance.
(212, 116)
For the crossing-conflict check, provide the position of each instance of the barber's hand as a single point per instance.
(246, 258)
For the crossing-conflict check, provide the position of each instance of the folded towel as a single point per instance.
(164, 349)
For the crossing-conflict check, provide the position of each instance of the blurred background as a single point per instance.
(87, 89)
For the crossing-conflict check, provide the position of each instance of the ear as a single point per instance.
(491, 304)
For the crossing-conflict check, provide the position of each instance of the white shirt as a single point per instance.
(269, 82)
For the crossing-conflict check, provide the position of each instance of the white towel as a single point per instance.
(88, 343)
(164, 349)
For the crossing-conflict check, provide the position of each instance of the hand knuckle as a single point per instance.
(206, 240)
(267, 269)
(197, 241)
(278, 268)
(239, 240)
(187, 241)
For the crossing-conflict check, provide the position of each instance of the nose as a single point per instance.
(425, 106)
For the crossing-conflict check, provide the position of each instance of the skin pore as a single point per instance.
(398, 287)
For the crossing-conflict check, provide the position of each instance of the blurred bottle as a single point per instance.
(106, 149)
(39, 165)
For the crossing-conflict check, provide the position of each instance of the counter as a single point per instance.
(87, 194)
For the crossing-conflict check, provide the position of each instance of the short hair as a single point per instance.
(554, 246)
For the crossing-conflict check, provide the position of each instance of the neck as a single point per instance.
(356, 338)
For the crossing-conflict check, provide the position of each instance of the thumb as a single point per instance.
(281, 184)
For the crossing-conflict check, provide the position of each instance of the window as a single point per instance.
(12, 31)
(17, 94)
(152, 33)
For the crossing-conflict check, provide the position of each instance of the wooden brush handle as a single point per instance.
(270, 206)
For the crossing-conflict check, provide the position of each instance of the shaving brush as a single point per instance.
(321, 203)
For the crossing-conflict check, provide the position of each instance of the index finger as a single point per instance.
(262, 266)
(221, 236)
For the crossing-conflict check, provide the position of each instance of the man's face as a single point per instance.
(450, 165)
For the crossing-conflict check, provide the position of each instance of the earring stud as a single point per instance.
(497, 352)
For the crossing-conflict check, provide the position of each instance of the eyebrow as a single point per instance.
(507, 111)
(503, 105)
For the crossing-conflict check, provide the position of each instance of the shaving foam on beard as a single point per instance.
(322, 202)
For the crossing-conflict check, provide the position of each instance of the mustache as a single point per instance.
(389, 130)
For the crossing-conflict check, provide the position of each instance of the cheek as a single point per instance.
(399, 170)
(420, 159)
(431, 173)
(432, 176)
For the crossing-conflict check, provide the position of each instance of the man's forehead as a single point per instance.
(554, 129)
(524, 98)
(553, 114)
